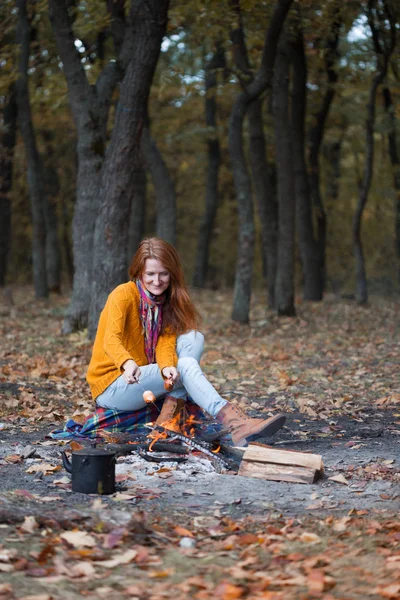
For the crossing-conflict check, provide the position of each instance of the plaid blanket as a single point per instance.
(114, 421)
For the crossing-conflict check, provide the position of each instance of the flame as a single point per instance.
(187, 429)
(171, 425)
(216, 450)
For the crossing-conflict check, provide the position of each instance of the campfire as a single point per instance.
(182, 437)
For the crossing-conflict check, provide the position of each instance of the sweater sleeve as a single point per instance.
(118, 307)
(166, 351)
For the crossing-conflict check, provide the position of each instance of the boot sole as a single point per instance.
(273, 426)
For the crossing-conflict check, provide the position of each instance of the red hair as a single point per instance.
(179, 315)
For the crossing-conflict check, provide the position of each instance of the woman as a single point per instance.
(147, 334)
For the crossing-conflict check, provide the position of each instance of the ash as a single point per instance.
(193, 466)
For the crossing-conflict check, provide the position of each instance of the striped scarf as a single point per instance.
(151, 316)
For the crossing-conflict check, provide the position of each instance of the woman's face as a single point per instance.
(155, 277)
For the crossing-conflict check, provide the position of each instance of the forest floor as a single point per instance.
(333, 370)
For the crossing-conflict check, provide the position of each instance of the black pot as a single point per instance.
(92, 470)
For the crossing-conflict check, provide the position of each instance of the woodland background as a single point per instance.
(218, 143)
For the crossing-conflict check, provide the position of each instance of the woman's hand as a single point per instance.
(170, 373)
(131, 371)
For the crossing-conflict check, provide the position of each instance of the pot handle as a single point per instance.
(66, 462)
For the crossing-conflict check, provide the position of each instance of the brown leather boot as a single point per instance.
(170, 409)
(245, 429)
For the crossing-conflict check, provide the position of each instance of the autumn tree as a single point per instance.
(147, 26)
(284, 290)
(163, 185)
(215, 64)
(34, 163)
(383, 30)
(327, 44)
(260, 82)
(90, 105)
(7, 144)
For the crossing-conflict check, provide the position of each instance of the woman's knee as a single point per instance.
(186, 364)
(190, 344)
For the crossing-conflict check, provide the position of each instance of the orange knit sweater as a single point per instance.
(120, 337)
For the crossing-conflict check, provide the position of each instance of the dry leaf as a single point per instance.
(37, 597)
(318, 582)
(82, 569)
(339, 479)
(183, 532)
(63, 481)
(76, 446)
(310, 538)
(29, 525)
(162, 574)
(45, 468)
(78, 539)
(391, 591)
(120, 559)
(228, 591)
(13, 458)
(7, 554)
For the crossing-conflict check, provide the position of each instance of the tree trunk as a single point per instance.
(262, 80)
(316, 134)
(309, 255)
(137, 209)
(266, 201)
(217, 61)
(34, 165)
(52, 188)
(6, 169)
(284, 291)
(123, 153)
(265, 196)
(395, 160)
(90, 106)
(332, 151)
(383, 52)
(163, 186)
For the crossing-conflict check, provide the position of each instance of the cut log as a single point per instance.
(266, 454)
(278, 472)
(264, 462)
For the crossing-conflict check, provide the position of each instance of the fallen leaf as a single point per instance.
(29, 525)
(76, 446)
(37, 597)
(78, 539)
(183, 532)
(228, 591)
(7, 554)
(63, 481)
(310, 538)
(120, 559)
(82, 569)
(339, 479)
(162, 574)
(391, 591)
(50, 498)
(13, 458)
(318, 582)
(45, 468)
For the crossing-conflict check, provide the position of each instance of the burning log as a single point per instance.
(124, 449)
(264, 462)
(195, 445)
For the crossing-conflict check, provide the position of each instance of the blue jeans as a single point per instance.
(192, 381)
